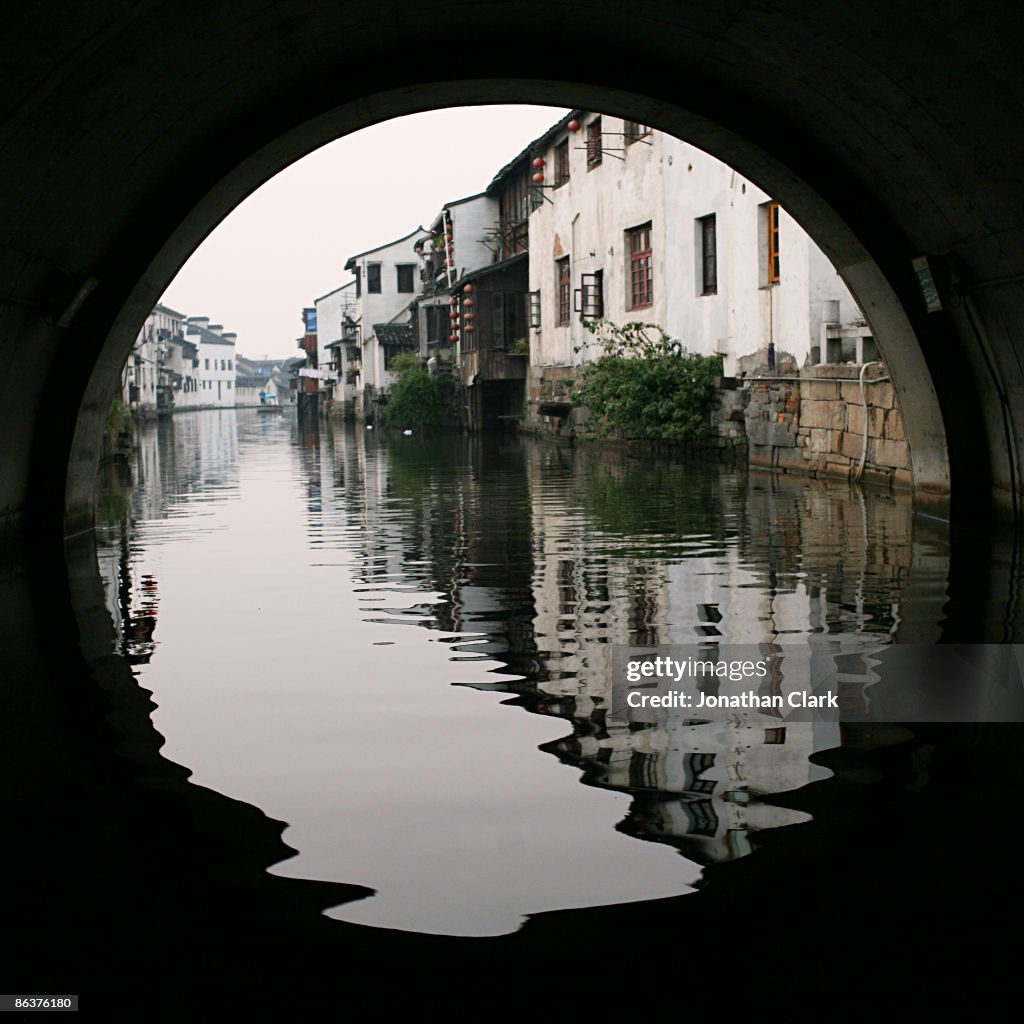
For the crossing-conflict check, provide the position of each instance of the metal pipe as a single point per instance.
(859, 471)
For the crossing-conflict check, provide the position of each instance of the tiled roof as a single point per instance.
(351, 261)
(393, 334)
(209, 337)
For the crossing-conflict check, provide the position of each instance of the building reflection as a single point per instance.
(174, 461)
(538, 559)
(547, 557)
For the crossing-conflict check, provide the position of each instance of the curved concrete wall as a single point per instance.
(128, 136)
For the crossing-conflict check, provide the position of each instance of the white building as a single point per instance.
(216, 355)
(462, 239)
(338, 344)
(146, 385)
(631, 224)
(385, 286)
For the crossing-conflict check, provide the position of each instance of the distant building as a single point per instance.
(215, 352)
(338, 343)
(254, 377)
(385, 289)
(493, 351)
(149, 377)
(461, 241)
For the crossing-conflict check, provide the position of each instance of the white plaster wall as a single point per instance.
(216, 352)
(141, 367)
(183, 398)
(746, 313)
(330, 309)
(380, 308)
(586, 219)
(672, 184)
(472, 220)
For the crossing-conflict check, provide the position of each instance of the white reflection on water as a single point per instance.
(318, 598)
(274, 689)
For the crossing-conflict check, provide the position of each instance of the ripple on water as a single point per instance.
(289, 566)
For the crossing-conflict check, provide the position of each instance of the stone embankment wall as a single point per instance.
(816, 426)
(813, 425)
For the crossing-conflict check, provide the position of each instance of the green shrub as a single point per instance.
(119, 418)
(646, 385)
(417, 399)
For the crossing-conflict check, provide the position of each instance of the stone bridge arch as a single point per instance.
(129, 135)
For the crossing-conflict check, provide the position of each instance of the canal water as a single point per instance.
(400, 647)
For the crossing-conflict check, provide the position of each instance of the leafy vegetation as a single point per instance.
(418, 399)
(119, 419)
(646, 385)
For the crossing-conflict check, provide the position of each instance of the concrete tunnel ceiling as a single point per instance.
(889, 132)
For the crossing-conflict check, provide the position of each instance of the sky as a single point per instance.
(287, 243)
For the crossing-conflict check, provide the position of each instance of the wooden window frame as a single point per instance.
(640, 278)
(561, 163)
(563, 291)
(708, 254)
(370, 268)
(595, 151)
(774, 263)
(410, 269)
(590, 296)
(634, 131)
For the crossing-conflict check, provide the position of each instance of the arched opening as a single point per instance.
(883, 307)
(887, 123)
(646, 821)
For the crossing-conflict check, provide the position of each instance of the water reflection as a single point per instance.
(286, 673)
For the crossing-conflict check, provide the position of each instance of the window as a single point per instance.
(508, 319)
(634, 131)
(641, 267)
(591, 293)
(230, 367)
(518, 199)
(564, 282)
(405, 276)
(223, 364)
(359, 282)
(561, 163)
(229, 385)
(534, 303)
(207, 364)
(708, 243)
(594, 151)
(769, 238)
(373, 278)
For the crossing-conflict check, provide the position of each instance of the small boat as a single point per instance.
(268, 403)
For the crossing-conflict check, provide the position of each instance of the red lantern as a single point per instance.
(468, 303)
(538, 161)
(453, 338)
(469, 317)
(450, 236)
(455, 300)
(451, 263)
(469, 289)
(573, 125)
(538, 178)
(470, 328)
